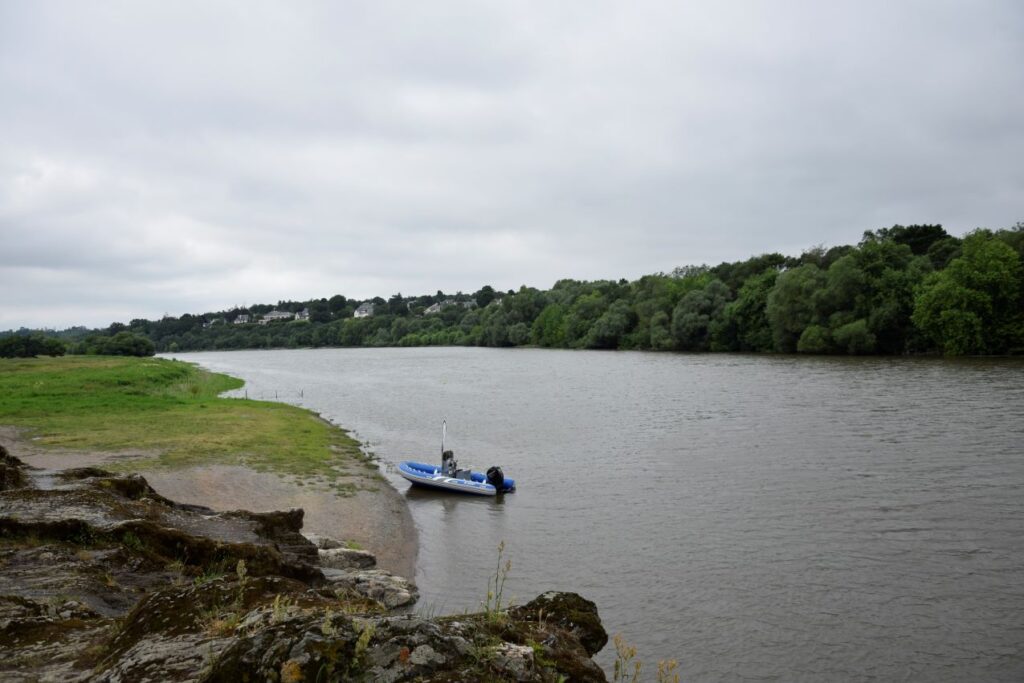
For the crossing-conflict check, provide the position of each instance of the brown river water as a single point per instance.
(764, 518)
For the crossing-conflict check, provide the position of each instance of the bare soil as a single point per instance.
(377, 520)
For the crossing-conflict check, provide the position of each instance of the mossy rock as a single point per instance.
(568, 611)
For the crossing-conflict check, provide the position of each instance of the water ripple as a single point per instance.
(758, 518)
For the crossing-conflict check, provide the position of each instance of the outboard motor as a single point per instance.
(496, 478)
(448, 464)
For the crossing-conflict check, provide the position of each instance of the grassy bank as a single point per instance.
(171, 411)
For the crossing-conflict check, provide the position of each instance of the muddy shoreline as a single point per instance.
(375, 517)
(104, 578)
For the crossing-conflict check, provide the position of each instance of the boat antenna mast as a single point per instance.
(447, 458)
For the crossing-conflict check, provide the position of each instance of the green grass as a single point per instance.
(170, 410)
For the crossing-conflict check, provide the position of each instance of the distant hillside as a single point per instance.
(904, 289)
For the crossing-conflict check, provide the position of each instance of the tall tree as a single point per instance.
(791, 305)
(974, 306)
(744, 325)
(693, 316)
(549, 327)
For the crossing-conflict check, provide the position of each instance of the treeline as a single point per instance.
(31, 343)
(121, 343)
(904, 289)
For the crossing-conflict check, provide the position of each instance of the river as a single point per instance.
(766, 518)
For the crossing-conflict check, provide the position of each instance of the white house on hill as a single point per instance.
(274, 316)
(436, 308)
(364, 310)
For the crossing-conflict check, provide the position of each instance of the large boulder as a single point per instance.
(389, 590)
(568, 611)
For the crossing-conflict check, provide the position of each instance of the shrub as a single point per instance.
(813, 340)
(21, 346)
(854, 338)
(121, 344)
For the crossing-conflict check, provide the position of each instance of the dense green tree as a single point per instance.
(337, 304)
(854, 338)
(565, 292)
(140, 326)
(814, 339)
(951, 315)
(319, 311)
(582, 315)
(744, 324)
(518, 334)
(380, 337)
(874, 283)
(659, 332)
(400, 327)
(791, 305)
(974, 305)
(1014, 238)
(121, 344)
(494, 327)
(653, 298)
(484, 296)
(451, 315)
(942, 252)
(30, 345)
(693, 315)
(609, 329)
(470, 320)
(353, 331)
(524, 306)
(891, 303)
(549, 327)
(846, 288)
(735, 274)
(918, 238)
(396, 305)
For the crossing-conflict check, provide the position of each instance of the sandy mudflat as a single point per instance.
(379, 520)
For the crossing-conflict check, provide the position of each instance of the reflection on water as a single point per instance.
(417, 494)
(775, 518)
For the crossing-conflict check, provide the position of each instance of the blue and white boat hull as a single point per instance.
(430, 476)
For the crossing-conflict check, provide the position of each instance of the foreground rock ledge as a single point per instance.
(103, 579)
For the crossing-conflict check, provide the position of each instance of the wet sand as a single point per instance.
(378, 520)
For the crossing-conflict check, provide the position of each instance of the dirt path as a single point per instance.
(378, 520)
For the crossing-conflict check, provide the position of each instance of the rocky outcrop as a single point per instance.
(347, 558)
(382, 587)
(324, 542)
(312, 646)
(101, 578)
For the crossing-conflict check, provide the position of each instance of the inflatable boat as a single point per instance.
(449, 477)
(462, 481)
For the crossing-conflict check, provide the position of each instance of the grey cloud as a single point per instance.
(175, 157)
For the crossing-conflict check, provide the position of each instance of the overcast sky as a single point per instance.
(174, 157)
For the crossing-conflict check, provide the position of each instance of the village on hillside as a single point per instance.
(415, 305)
